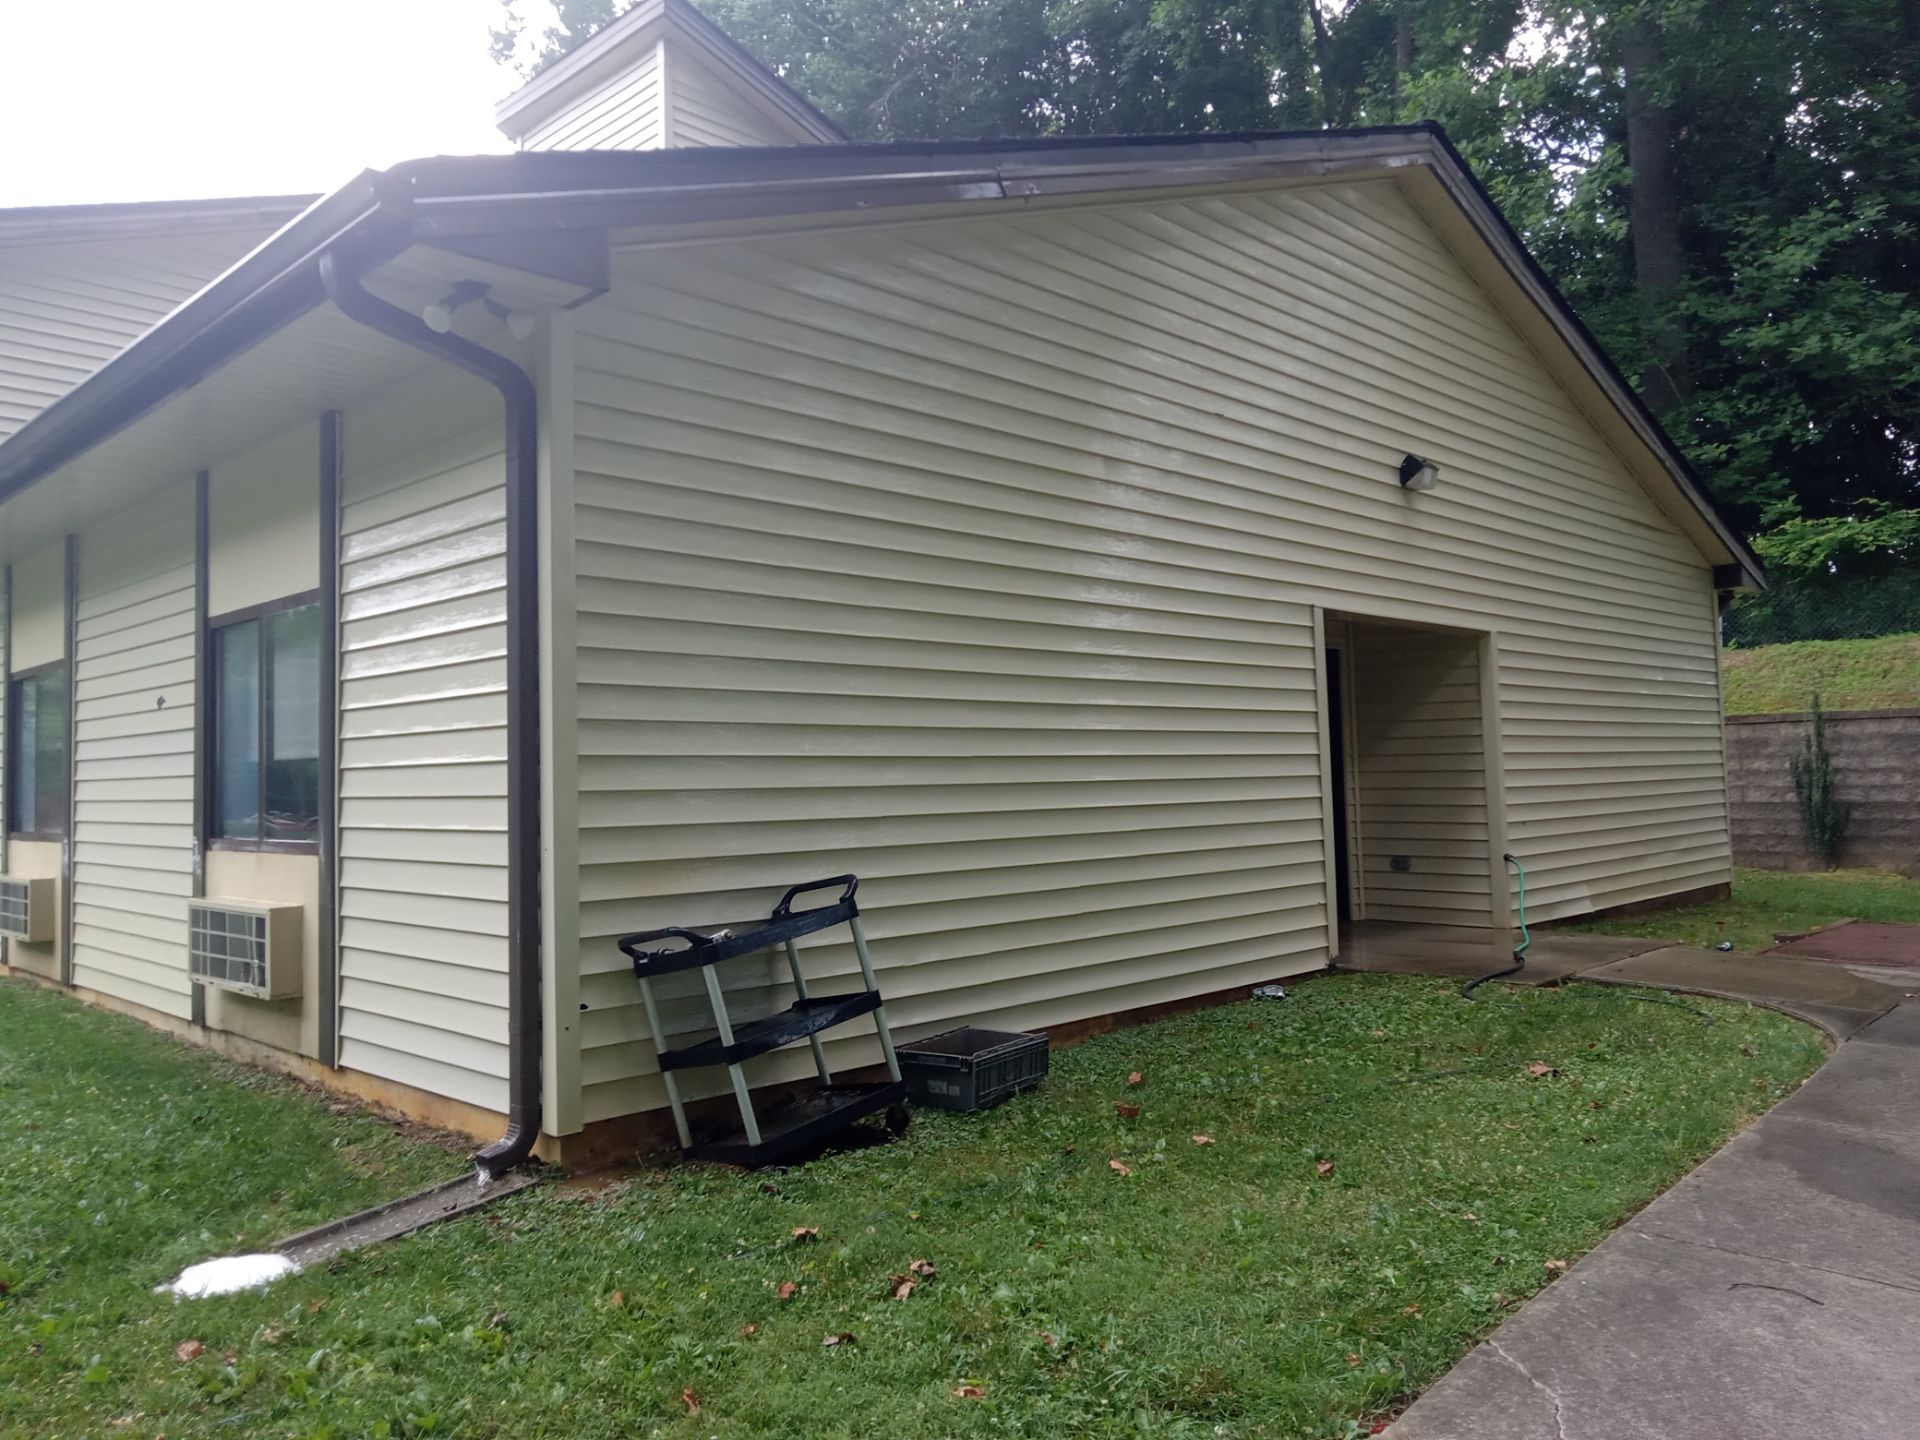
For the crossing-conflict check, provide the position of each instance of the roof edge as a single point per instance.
(35, 224)
(448, 196)
(1485, 214)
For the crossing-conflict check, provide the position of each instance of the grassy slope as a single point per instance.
(1882, 674)
(1767, 903)
(1221, 1290)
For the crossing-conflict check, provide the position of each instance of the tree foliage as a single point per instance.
(1728, 191)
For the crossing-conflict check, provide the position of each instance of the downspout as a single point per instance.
(523, 690)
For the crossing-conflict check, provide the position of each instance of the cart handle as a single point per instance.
(850, 883)
(631, 944)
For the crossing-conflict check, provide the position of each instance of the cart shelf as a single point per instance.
(757, 1037)
(811, 1118)
(815, 1116)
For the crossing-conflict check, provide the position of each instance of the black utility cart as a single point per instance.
(815, 1116)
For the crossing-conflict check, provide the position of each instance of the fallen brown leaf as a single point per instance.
(1203, 1139)
(232, 1357)
(968, 1392)
(899, 1287)
(1747, 1050)
(1378, 1034)
(1413, 1310)
(1046, 1338)
(1135, 1078)
(314, 1307)
(272, 1335)
(188, 1351)
(1323, 1167)
(1352, 1360)
(923, 1268)
(1119, 1167)
(843, 1337)
(1539, 1068)
(1556, 1267)
(689, 1399)
(749, 1330)
(786, 1290)
(617, 1299)
(1126, 1111)
(804, 1233)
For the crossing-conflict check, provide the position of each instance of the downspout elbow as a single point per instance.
(520, 400)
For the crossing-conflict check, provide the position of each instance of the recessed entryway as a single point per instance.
(1407, 743)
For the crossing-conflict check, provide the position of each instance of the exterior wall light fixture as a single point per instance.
(439, 315)
(1418, 474)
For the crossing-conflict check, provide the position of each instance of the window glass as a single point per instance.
(236, 731)
(22, 774)
(266, 728)
(50, 752)
(292, 778)
(37, 752)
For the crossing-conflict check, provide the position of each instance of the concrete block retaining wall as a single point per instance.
(1876, 757)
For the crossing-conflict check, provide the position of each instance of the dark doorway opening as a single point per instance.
(1337, 760)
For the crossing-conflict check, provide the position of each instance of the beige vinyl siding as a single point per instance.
(1418, 776)
(623, 114)
(422, 818)
(263, 523)
(133, 755)
(39, 629)
(978, 556)
(67, 308)
(705, 109)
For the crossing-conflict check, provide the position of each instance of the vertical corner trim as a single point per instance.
(202, 707)
(329, 998)
(71, 642)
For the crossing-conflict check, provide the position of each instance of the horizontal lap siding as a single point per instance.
(66, 309)
(707, 111)
(133, 721)
(422, 808)
(1076, 774)
(623, 114)
(1420, 771)
(977, 557)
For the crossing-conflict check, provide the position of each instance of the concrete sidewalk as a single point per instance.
(1774, 1293)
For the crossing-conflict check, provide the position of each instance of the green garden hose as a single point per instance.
(1520, 950)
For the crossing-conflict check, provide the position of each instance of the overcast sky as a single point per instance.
(144, 100)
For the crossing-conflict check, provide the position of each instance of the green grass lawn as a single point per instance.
(1388, 1175)
(1880, 674)
(1767, 903)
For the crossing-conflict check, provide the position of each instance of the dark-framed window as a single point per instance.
(37, 732)
(263, 727)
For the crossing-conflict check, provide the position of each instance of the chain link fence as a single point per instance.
(1794, 608)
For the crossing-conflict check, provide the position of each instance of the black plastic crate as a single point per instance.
(971, 1068)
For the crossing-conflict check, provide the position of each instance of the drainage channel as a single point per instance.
(448, 1201)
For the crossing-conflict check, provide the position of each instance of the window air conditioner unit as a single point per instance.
(26, 908)
(245, 946)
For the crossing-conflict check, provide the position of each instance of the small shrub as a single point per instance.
(1823, 817)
